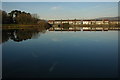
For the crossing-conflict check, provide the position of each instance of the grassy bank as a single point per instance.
(24, 26)
(44, 25)
(19, 25)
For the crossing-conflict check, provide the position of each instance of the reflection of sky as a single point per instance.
(0, 61)
(66, 10)
(95, 36)
(94, 53)
(61, 1)
(0, 52)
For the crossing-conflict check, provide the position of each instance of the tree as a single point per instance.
(18, 17)
(5, 18)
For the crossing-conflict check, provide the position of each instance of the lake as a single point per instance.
(60, 54)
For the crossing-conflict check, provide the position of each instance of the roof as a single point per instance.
(75, 20)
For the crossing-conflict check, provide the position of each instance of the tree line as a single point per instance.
(18, 17)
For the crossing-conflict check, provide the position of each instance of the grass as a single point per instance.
(31, 26)
(19, 26)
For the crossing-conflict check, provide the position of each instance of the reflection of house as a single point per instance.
(78, 22)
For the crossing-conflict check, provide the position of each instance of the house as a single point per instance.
(114, 22)
(105, 21)
(51, 21)
(86, 21)
(99, 22)
(78, 22)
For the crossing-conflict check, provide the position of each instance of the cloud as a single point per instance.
(55, 8)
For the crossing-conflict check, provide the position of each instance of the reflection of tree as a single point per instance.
(5, 36)
(20, 34)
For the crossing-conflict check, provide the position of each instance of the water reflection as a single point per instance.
(74, 28)
(59, 54)
(18, 35)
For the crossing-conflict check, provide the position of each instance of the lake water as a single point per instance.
(56, 54)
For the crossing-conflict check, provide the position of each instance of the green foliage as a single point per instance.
(25, 18)
(18, 17)
(5, 18)
(44, 24)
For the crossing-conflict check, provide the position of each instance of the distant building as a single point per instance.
(79, 22)
(99, 22)
(114, 22)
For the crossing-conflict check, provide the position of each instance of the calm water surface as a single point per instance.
(34, 54)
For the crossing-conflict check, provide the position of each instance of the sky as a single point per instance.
(60, 0)
(65, 10)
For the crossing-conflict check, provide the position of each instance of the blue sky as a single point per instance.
(60, 0)
(65, 10)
